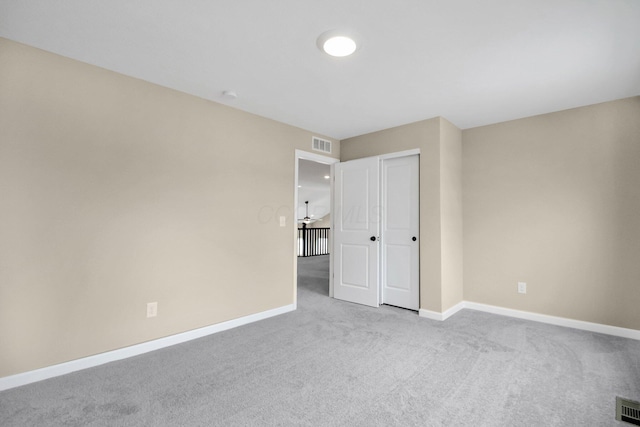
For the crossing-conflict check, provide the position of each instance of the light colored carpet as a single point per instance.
(332, 363)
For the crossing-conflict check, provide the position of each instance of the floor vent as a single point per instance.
(319, 144)
(628, 410)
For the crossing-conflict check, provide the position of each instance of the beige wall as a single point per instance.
(437, 141)
(451, 213)
(114, 193)
(554, 201)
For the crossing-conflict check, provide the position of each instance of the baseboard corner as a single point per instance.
(434, 315)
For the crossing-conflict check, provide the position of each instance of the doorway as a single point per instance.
(313, 205)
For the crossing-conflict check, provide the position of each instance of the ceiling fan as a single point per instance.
(307, 219)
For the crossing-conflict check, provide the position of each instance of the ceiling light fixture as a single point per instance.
(308, 218)
(337, 43)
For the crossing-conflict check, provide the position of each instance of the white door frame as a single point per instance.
(400, 154)
(318, 158)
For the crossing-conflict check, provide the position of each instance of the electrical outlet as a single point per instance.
(152, 309)
(522, 288)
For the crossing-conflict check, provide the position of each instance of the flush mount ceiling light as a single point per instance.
(337, 43)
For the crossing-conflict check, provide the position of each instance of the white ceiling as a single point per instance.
(473, 62)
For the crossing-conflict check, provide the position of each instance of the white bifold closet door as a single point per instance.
(376, 245)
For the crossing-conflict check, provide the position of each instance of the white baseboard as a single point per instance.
(527, 315)
(134, 350)
(559, 321)
(434, 315)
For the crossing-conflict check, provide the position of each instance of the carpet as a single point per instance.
(333, 363)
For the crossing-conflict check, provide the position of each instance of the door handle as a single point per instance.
(372, 238)
(414, 238)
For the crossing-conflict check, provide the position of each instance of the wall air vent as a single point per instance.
(319, 144)
(628, 410)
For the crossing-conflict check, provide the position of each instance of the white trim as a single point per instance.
(134, 350)
(405, 153)
(633, 334)
(434, 315)
(327, 160)
(431, 315)
(559, 321)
